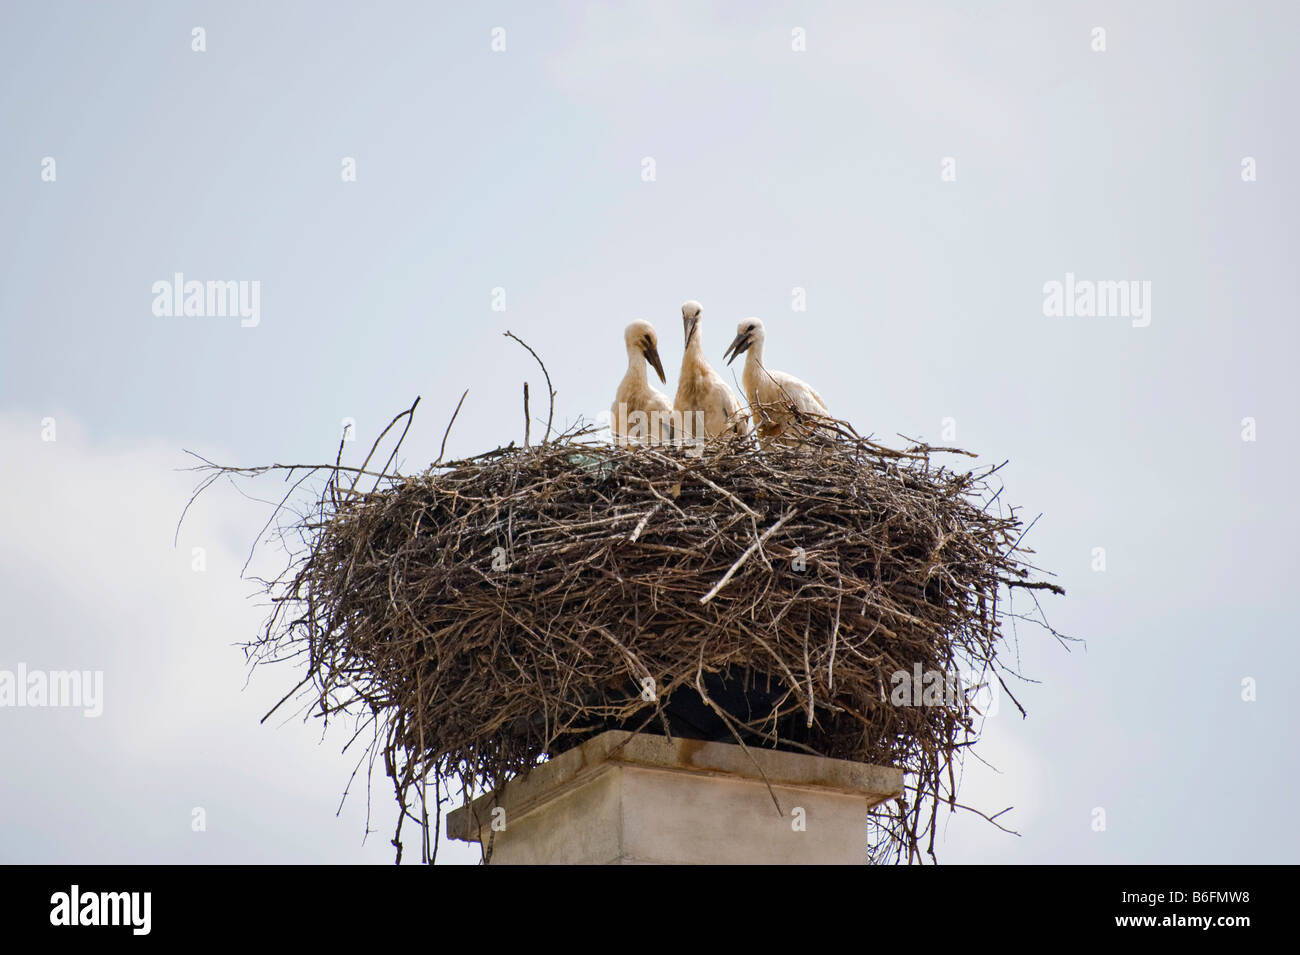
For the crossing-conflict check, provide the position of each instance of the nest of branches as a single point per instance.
(494, 611)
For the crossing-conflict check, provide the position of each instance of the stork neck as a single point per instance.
(636, 363)
(696, 346)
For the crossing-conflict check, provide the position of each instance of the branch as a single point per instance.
(745, 556)
(550, 415)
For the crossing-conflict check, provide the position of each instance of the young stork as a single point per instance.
(636, 394)
(701, 389)
(775, 398)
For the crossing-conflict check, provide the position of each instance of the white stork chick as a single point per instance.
(702, 396)
(641, 414)
(775, 398)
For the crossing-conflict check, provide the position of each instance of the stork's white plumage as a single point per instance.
(775, 398)
(641, 414)
(702, 395)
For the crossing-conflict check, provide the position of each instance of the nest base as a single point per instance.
(624, 798)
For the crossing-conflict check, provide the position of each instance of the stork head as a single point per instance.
(691, 319)
(748, 333)
(640, 337)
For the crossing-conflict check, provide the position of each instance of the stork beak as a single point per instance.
(739, 345)
(691, 325)
(652, 355)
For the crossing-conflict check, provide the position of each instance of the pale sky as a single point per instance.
(775, 169)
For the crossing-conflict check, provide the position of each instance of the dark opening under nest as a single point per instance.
(496, 610)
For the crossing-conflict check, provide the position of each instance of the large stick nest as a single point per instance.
(492, 611)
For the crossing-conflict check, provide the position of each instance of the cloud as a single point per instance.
(91, 580)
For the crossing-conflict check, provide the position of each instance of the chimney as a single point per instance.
(623, 798)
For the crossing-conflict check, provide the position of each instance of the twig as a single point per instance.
(408, 413)
(550, 415)
(641, 524)
(744, 557)
(443, 447)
